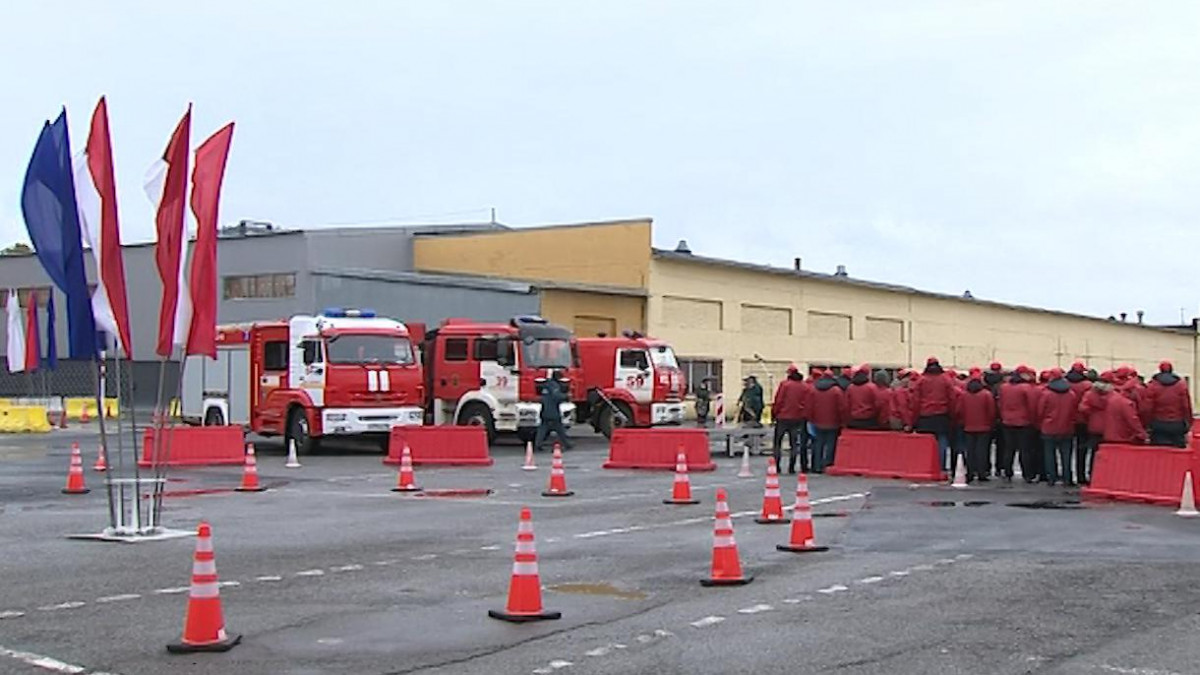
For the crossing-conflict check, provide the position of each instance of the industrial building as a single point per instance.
(726, 319)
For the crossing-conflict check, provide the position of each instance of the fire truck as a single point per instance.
(488, 374)
(339, 373)
(630, 380)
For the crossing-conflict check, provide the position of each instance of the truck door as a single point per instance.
(456, 373)
(634, 375)
(308, 369)
(272, 357)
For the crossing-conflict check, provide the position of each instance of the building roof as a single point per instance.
(664, 254)
(426, 279)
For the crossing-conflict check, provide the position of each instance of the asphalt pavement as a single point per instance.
(330, 572)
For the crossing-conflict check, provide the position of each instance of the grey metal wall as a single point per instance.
(410, 297)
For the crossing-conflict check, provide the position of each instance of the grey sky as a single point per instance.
(1032, 152)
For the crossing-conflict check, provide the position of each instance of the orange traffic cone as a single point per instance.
(525, 587)
(75, 484)
(84, 417)
(204, 623)
(558, 478)
(250, 473)
(772, 508)
(101, 461)
(405, 482)
(802, 539)
(529, 463)
(681, 493)
(726, 564)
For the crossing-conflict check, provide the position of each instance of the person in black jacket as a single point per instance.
(553, 394)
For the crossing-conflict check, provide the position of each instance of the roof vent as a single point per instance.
(967, 295)
(1141, 315)
(682, 247)
(796, 264)
(841, 271)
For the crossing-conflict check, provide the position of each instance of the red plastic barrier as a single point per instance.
(1140, 473)
(196, 446)
(657, 448)
(448, 445)
(887, 454)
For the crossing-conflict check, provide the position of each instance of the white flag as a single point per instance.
(16, 334)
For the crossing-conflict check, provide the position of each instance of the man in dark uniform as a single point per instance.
(751, 402)
(553, 393)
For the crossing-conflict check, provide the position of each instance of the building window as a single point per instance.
(246, 286)
(456, 349)
(695, 370)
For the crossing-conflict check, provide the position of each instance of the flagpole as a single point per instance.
(101, 376)
(166, 463)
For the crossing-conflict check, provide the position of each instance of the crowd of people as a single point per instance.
(1050, 422)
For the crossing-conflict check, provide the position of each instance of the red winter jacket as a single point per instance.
(1092, 407)
(978, 408)
(789, 401)
(1057, 409)
(1167, 399)
(883, 404)
(1015, 404)
(827, 406)
(901, 408)
(934, 395)
(1080, 385)
(862, 401)
(1121, 423)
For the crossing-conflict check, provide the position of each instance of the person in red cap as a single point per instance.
(1016, 420)
(1121, 422)
(1057, 410)
(789, 412)
(862, 400)
(932, 405)
(1077, 377)
(977, 409)
(1093, 407)
(1167, 404)
(827, 413)
(993, 377)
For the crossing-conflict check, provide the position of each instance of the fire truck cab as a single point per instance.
(339, 373)
(488, 374)
(630, 380)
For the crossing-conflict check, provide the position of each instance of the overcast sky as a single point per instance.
(1043, 153)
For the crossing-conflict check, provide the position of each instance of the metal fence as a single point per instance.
(139, 380)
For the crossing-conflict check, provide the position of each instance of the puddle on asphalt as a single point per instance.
(1057, 504)
(598, 589)
(940, 503)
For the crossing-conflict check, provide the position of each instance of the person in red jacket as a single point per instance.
(1093, 407)
(978, 414)
(827, 413)
(1016, 422)
(862, 400)
(1057, 410)
(1167, 404)
(1078, 379)
(1121, 422)
(788, 410)
(901, 401)
(932, 404)
(883, 400)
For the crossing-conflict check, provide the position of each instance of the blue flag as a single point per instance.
(51, 360)
(52, 219)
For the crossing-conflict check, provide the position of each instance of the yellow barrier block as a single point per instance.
(74, 406)
(112, 408)
(24, 420)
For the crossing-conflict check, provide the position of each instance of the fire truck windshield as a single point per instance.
(546, 353)
(347, 348)
(663, 357)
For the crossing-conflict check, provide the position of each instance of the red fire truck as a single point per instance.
(340, 373)
(486, 374)
(630, 380)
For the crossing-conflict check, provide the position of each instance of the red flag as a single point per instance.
(33, 341)
(166, 184)
(96, 193)
(207, 175)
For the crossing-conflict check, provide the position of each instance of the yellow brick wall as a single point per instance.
(587, 313)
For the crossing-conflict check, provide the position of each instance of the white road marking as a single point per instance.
(385, 563)
(119, 598)
(707, 621)
(900, 573)
(870, 580)
(792, 601)
(551, 540)
(228, 584)
(964, 556)
(11, 614)
(921, 568)
(64, 605)
(836, 588)
(493, 547)
(311, 573)
(172, 591)
(425, 556)
(946, 561)
(348, 568)
(39, 661)
(270, 577)
(755, 609)
(1137, 671)
(660, 632)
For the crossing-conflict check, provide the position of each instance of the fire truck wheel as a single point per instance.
(478, 415)
(297, 430)
(609, 420)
